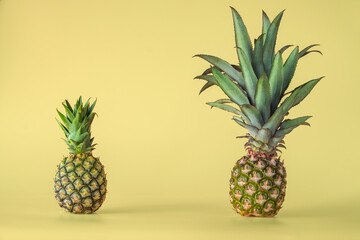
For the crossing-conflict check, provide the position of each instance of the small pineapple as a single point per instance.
(256, 95)
(80, 180)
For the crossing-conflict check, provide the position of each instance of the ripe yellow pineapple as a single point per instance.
(256, 90)
(80, 180)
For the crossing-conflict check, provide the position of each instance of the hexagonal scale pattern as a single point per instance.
(80, 183)
(257, 185)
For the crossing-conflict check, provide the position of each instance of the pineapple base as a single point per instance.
(258, 184)
(80, 183)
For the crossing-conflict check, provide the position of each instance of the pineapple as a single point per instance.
(80, 180)
(256, 91)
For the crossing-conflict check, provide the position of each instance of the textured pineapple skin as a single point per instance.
(257, 185)
(80, 183)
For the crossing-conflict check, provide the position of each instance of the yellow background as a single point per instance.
(167, 155)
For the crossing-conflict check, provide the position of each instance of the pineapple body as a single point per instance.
(257, 185)
(80, 183)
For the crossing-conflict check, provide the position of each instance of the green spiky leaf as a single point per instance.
(242, 38)
(294, 122)
(224, 100)
(91, 108)
(289, 68)
(270, 42)
(283, 49)
(66, 132)
(68, 105)
(265, 25)
(252, 130)
(283, 132)
(249, 75)
(257, 60)
(301, 92)
(295, 98)
(64, 119)
(276, 80)
(230, 88)
(224, 107)
(245, 118)
(69, 113)
(303, 52)
(274, 141)
(264, 135)
(274, 121)
(224, 66)
(306, 53)
(288, 125)
(206, 86)
(208, 78)
(262, 97)
(253, 114)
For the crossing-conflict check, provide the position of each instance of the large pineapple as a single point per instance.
(256, 91)
(80, 180)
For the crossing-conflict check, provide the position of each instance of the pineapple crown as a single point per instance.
(76, 125)
(258, 84)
